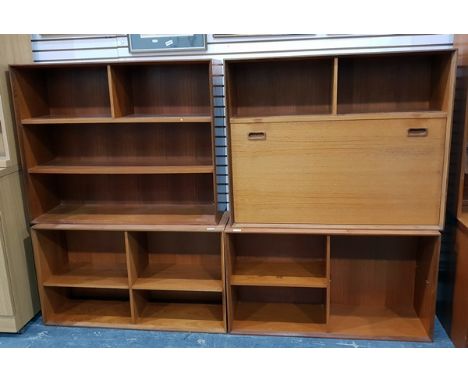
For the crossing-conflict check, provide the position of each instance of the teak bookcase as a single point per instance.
(459, 325)
(356, 141)
(338, 171)
(165, 278)
(332, 284)
(120, 176)
(119, 143)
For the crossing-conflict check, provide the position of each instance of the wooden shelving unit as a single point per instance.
(304, 145)
(338, 179)
(117, 143)
(155, 279)
(332, 285)
(121, 184)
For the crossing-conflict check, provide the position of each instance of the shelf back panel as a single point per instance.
(394, 83)
(162, 89)
(280, 87)
(61, 92)
(119, 144)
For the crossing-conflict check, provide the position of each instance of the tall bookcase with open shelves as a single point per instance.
(338, 176)
(121, 187)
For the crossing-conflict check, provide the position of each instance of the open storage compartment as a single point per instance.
(86, 306)
(280, 87)
(158, 89)
(278, 310)
(176, 261)
(94, 259)
(179, 310)
(293, 260)
(135, 148)
(61, 91)
(394, 83)
(383, 286)
(122, 199)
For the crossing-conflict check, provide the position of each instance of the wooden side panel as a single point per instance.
(459, 330)
(425, 283)
(339, 172)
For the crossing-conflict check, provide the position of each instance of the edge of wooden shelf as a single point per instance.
(87, 282)
(173, 284)
(116, 169)
(337, 117)
(333, 230)
(279, 281)
(125, 119)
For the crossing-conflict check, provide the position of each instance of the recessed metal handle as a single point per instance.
(257, 136)
(417, 132)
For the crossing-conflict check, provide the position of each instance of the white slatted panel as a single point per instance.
(49, 48)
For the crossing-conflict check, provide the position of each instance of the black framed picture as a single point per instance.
(139, 43)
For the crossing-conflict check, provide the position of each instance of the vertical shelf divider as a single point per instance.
(134, 264)
(335, 87)
(112, 94)
(224, 281)
(229, 307)
(121, 102)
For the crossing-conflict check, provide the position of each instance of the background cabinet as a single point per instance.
(19, 301)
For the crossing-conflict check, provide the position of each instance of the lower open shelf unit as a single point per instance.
(372, 286)
(160, 279)
(363, 285)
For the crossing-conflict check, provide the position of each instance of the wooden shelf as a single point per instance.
(180, 277)
(115, 169)
(278, 318)
(292, 272)
(373, 322)
(93, 313)
(90, 277)
(136, 118)
(126, 214)
(142, 118)
(345, 321)
(182, 317)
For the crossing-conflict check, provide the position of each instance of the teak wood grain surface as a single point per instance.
(154, 279)
(371, 153)
(374, 285)
(367, 172)
(117, 143)
(338, 171)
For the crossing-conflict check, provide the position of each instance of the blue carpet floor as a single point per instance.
(38, 335)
